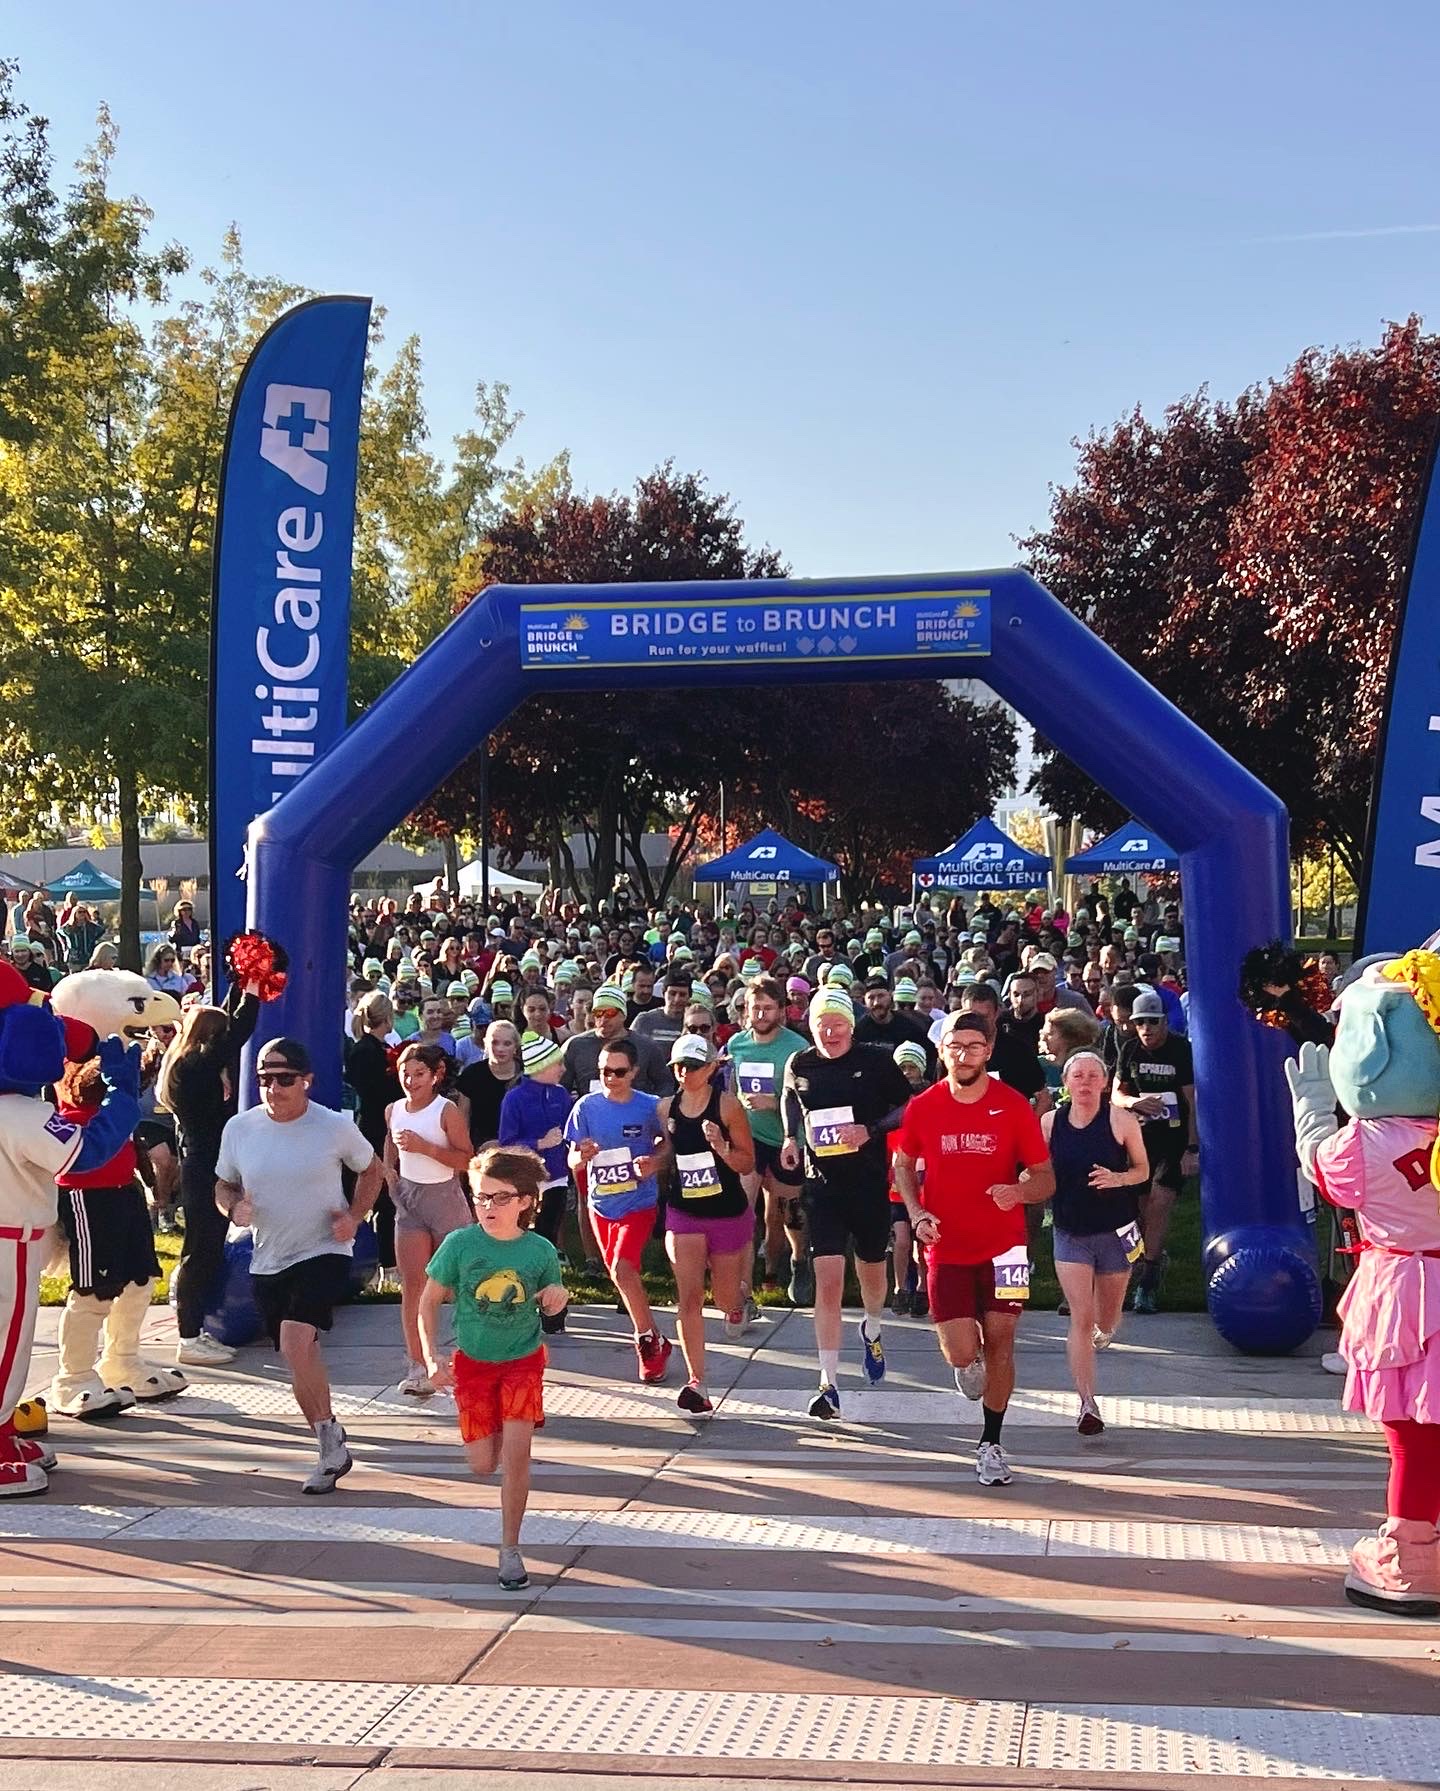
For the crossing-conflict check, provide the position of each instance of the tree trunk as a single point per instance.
(452, 863)
(129, 805)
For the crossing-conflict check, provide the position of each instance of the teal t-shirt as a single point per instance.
(495, 1282)
(760, 1070)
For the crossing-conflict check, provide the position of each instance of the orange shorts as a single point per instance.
(488, 1395)
(623, 1240)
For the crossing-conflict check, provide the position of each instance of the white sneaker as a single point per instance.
(335, 1459)
(203, 1351)
(1334, 1363)
(1102, 1339)
(416, 1382)
(971, 1381)
(991, 1467)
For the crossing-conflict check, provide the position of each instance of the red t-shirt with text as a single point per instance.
(969, 1146)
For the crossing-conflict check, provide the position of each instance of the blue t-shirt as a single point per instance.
(624, 1130)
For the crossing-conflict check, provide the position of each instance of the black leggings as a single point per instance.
(550, 1220)
(202, 1254)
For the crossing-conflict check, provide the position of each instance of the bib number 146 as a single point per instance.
(1012, 1274)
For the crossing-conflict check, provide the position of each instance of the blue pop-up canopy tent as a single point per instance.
(983, 858)
(87, 883)
(1130, 848)
(768, 858)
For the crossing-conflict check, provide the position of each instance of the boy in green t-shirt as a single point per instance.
(502, 1277)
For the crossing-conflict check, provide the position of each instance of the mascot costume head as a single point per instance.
(1384, 1070)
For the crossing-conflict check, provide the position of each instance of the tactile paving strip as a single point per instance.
(881, 1406)
(268, 1399)
(309, 1713)
(52, 1522)
(922, 1731)
(1248, 1543)
(1303, 1744)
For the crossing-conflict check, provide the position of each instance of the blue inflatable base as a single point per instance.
(232, 1316)
(1264, 1291)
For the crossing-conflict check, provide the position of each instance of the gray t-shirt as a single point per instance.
(291, 1170)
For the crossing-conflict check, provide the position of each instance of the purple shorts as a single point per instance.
(724, 1236)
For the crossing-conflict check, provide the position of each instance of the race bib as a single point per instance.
(1129, 1236)
(1172, 1108)
(822, 1127)
(612, 1172)
(1012, 1273)
(756, 1078)
(699, 1175)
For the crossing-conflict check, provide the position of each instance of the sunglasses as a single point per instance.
(279, 1078)
(616, 1075)
(704, 1030)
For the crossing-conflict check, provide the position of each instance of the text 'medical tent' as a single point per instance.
(983, 858)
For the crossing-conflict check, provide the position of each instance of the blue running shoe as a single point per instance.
(872, 1355)
(825, 1404)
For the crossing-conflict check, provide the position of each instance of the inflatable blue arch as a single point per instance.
(1002, 626)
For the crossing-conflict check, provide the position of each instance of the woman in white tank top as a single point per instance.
(427, 1147)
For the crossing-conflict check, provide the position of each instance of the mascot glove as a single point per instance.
(120, 1065)
(1313, 1095)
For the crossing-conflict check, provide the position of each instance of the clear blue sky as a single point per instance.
(868, 267)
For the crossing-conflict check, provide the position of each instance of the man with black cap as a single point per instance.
(1155, 1077)
(279, 1172)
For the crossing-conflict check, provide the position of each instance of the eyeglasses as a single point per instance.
(278, 1078)
(496, 1199)
(616, 1075)
(978, 1049)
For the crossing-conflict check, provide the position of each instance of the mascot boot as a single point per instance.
(1397, 1569)
(77, 1390)
(120, 1367)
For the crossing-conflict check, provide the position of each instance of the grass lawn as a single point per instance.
(1183, 1290)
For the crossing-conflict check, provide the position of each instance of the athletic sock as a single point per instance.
(829, 1366)
(870, 1325)
(993, 1421)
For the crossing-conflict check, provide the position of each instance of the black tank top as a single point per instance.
(704, 1186)
(1075, 1151)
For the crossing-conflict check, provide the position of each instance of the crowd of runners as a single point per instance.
(935, 1095)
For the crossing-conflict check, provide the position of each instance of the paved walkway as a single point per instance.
(747, 1600)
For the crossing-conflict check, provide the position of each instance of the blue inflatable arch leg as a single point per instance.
(1230, 831)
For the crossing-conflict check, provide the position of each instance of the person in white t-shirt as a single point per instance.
(279, 1172)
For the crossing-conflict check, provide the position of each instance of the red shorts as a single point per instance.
(964, 1290)
(488, 1395)
(624, 1239)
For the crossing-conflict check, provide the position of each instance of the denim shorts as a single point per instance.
(1101, 1251)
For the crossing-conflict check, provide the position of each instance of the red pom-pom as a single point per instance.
(251, 958)
(392, 1058)
(14, 990)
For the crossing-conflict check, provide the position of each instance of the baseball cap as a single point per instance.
(958, 1022)
(537, 1053)
(877, 979)
(1148, 1006)
(692, 1048)
(1043, 961)
(285, 1054)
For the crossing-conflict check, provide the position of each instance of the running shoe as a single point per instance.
(335, 1459)
(1090, 1422)
(991, 1467)
(801, 1291)
(653, 1351)
(203, 1351)
(872, 1356)
(901, 1302)
(1334, 1363)
(1063, 1309)
(1144, 1299)
(694, 1400)
(826, 1403)
(512, 1574)
(971, 1381)
(920, 1302)
(734, 1325)
(751, 1313)
(1101, 1339)
(417, 1383)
